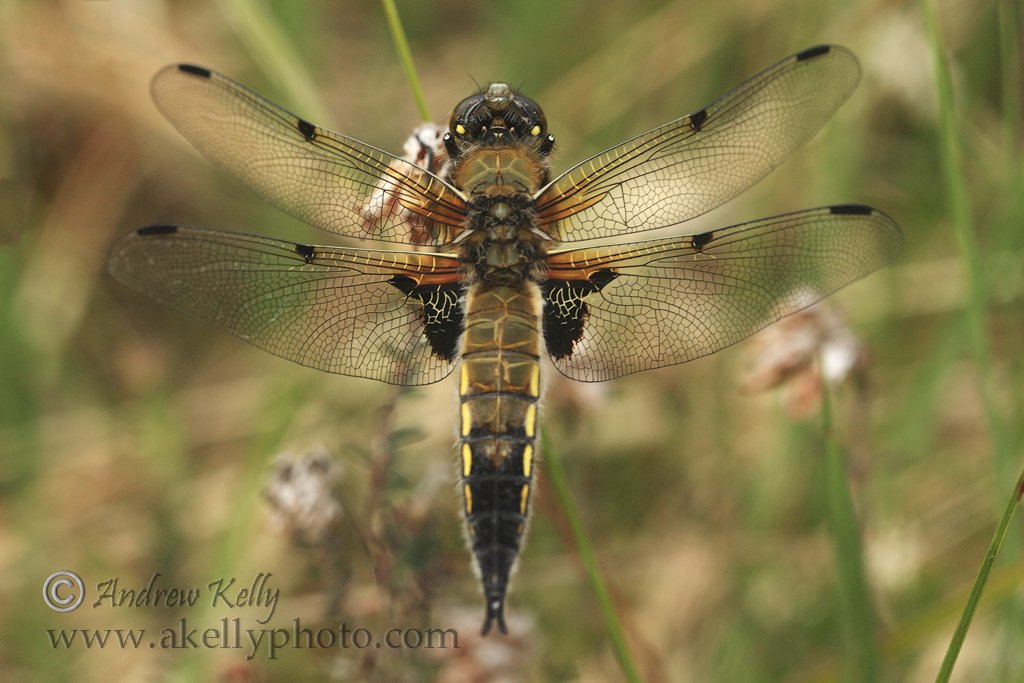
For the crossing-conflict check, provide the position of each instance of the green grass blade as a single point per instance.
(952, 170)
(956, 190)
(556, 475)
(979, 584)
(854, 593)
(405, 55)
(951, 157)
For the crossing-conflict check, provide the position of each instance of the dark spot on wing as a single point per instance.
(701, 240)
(599, 279)
(565, 310)
(157, 230)
(307, 129)
(698, 118)
(812, 52)
(405, 284)
(442, 313)
(194, 70)
(305, 251)
(851, 210)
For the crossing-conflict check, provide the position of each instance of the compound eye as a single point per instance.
(535, 131)
(460, 129)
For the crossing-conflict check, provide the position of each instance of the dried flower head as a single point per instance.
(785, 354)
(423, 147)
(301, 494)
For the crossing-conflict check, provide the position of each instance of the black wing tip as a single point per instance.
(851, 210)
(195, 70)
(812, 52)
(495, 612)
(156, 230)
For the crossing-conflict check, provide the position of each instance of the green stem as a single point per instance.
(976, 315)
(854, 594)
(956, 190)
(556, 475)
(405, 55)
(979, 584)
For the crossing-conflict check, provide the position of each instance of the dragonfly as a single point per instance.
(503, 262)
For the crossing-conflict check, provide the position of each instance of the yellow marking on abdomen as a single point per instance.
(467, 459)
(469, 498)
(524, 497)
(463, 380)
(467, 420)
(527, 460)
(530, 423)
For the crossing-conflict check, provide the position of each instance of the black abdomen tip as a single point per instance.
(157, 230)
(812, 52)
(495, 612)
(194, 70)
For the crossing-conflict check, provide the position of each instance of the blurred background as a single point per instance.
(134, 440)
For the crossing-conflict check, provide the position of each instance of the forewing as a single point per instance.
(612, 311)
(326, 179)
(694, 164)
(389, 316)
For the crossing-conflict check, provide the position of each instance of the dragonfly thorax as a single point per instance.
(502, 245)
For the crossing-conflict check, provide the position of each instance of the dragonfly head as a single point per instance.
(497, 117)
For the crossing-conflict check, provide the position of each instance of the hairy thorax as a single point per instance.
(502, 247)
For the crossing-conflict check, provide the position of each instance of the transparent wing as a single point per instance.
(321, 177)
(694, 164)
(612, 311)
(390, 316)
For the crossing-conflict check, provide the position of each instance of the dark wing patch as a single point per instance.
(307, 129)
(157, 230)
(565, 310)
(328, 308)
(813, 52)
(671, 300)
(442, 313)
(194, 70)
(698, 118)
(852, 210)
(700, 241)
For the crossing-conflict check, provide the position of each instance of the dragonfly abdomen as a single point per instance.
(499, 388)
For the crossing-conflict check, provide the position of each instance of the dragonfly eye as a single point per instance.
(531, 115)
